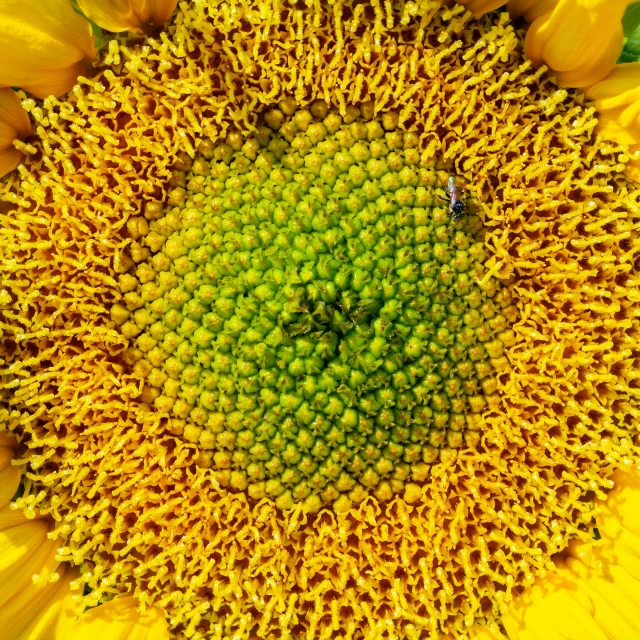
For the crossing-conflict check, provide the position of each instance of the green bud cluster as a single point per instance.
(306, 312)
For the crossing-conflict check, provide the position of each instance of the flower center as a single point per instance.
(312, 313)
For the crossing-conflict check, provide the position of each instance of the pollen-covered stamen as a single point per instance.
(309, 313)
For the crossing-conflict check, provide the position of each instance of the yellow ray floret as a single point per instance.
(44, 46)
(45, 611)
(128, 15)
(9, 474)
(580, 40)
(554, 608)
(593, 591)
(617, 100)
(619, 522)
(14, 124)
(119, 620)
(530, 10)
(35, 600)
(130, 498)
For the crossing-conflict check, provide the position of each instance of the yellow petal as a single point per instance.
(629, 476)
(619, 524)
(617, 101)
(624, 505)
(31, 600)
(620, 513)
(44, 46)
(614, 595)
(530, 9)
(119, 620)
(9, 476)
(44, 611)
(625, 555)
(14, 124)
(478, 7)
(24, 551)
(579, 40)
(128, 15)
(484, 632)
(554, 608)
(622, 78)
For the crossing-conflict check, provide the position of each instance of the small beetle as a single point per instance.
(457, 207)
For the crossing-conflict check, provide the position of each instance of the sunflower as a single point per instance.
(317, 322)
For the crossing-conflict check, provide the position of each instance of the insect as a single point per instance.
(457, 207)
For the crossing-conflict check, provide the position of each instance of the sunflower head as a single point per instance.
(269, 378)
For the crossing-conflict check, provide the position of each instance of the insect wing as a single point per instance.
(454, 191)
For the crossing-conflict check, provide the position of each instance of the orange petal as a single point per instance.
(598, 64)
(120, 620)
(128, 15)
(14, 123)
(12, 518)
(7, 135)
(44, 46)
(530, 9)
(9, 475)
(13, 115)
(7, 439)
(567, 34)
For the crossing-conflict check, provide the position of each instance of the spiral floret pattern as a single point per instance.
(308, 313)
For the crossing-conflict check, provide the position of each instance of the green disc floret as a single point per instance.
(306, 313)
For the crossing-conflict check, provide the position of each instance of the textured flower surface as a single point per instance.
(488, 385)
